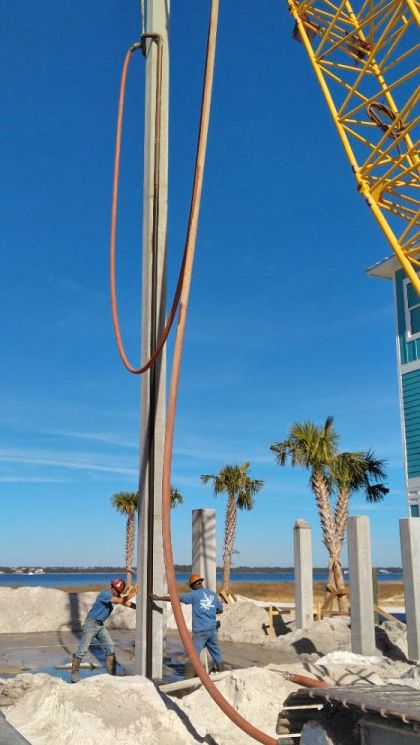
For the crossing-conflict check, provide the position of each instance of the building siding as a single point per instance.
(409, 350)
(411, 409)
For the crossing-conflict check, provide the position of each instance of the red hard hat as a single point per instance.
(118, 585)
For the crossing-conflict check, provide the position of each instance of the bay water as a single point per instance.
(67, 579)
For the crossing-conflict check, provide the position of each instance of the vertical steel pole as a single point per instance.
(150, 626)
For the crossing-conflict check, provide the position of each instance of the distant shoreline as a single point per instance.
(178, 568)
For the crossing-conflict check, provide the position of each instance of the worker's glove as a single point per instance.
(130, 591)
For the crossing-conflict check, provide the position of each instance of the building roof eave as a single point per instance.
(384, 269)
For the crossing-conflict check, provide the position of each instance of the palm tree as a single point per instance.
(314, 448)
(126, 503)
(176, 497)
(352, 472)
(241, 490)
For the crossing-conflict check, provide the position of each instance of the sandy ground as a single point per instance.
(131, 710)
(127, 710)
(39, 609)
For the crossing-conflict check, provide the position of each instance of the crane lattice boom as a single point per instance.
(364, 56)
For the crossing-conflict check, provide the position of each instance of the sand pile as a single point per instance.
(42, 609)
(129, 711)
(334, 635)
(109, 710)
(410, 677)
(30, 609)
(321, 637)
(256, 693)
(243, 622)
(99, 711)
(239, 622)
(186, 610)
(346, 668)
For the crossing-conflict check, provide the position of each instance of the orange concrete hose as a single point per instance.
(304, 680)
(160, 344)
(167, 458)
(182, 296)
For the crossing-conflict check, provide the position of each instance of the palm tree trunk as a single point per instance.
(335, 576)
(129, 546)
(343, 601)
(341, 515)
(230, 527)
(336, 585)
(322, 498)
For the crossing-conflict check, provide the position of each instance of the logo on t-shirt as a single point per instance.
(206, 602)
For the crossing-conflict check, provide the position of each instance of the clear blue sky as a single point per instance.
(284, 324)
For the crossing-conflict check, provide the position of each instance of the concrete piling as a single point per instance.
(410, 552)
(361, 589)
(303, 574)
(204, 546)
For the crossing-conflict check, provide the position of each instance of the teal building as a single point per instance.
(407, 304)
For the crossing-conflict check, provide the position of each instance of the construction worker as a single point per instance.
(93, 628)
(205, 605)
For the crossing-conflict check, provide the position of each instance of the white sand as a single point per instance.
(107, 710)
(256, 693)
(39, 609)
(43, 609)
(96, 711)
(243, 622)
(129, 711)
(347, 658)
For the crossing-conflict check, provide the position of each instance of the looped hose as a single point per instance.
(161, 342)
(207, 682)
(182, 295)
(385, 119)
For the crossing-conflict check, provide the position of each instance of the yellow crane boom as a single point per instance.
(364, 57)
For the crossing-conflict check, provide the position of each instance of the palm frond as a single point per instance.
(376, 492)
(205, 478)
(176, 497)
(125, 502)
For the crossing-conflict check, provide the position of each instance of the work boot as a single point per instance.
(75, 667)
(111, 664)
(220, 667)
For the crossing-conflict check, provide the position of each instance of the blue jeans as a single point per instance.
(93, 630)
(208, 639)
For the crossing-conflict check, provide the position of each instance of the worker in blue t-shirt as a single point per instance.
(205, 605)
(93, 628)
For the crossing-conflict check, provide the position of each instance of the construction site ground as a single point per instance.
(51, 652)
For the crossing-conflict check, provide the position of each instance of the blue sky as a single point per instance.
(284, 324)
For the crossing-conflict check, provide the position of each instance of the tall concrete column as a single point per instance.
(361, 587)
(410, 552)
(151, 574)
(304, 591)
(204, 546)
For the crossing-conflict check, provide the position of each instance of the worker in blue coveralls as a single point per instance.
(205, 605)
(93, 628)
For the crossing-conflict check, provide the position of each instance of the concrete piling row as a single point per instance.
(360, 569)
(361, 587)
(410, 551)
(304, 591)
